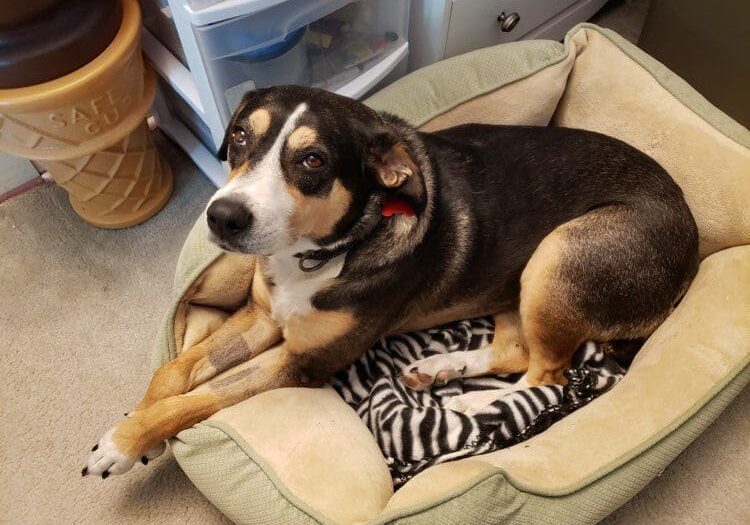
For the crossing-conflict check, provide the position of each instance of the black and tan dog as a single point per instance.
(363, 227)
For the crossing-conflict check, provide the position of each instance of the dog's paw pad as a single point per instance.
(106, 459)
(434, 370)
(416, 381)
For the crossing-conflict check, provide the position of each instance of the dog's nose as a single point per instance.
(228, 217)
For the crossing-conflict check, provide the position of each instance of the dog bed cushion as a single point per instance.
(304, 456)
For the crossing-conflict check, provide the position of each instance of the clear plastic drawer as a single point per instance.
(323, 43)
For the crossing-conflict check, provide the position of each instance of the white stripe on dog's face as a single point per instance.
(265, 194)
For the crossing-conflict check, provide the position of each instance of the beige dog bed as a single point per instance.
(303, 456)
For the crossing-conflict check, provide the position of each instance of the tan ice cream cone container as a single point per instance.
(88, 128)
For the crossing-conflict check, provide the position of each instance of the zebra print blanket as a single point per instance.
(413, 429)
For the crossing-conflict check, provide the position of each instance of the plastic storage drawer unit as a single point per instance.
(322, 43)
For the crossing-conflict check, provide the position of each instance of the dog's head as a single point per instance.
(303, 164)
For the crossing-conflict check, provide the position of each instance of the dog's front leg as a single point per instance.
(146, 430)
(245, 334)
(314, 348)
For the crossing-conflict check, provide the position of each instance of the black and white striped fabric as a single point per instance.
(413, 429)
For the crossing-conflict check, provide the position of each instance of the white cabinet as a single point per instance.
(444, 28)
(208, 53)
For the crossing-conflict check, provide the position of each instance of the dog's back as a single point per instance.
(520, 183)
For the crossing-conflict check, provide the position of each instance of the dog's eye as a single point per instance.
(312, 161)
(239, 137)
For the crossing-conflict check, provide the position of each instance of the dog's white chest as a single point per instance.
(293, 289)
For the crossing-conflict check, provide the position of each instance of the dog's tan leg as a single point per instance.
(549, 328)
(509, 353)
(245, 334)
(313, 349)
(553, 326)
(506, 354)
(145, 430)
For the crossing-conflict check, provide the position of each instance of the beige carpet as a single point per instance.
(79, 309)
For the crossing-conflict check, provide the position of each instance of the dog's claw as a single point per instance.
(105, 474)
(144, 460)
(93, 449)
(84, 471)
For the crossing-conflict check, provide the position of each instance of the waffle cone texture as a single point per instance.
(89, 129)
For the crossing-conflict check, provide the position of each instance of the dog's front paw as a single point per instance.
(434, 370)
(118, 450)
(108, 456)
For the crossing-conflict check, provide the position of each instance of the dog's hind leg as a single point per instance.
(506, 354)
(551, 325)
(612, 273)
(245, 334)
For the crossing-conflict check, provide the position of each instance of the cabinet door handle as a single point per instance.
(508, 22)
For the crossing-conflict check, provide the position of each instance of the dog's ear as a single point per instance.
(390, 160)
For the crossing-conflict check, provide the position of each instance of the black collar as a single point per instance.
(312, 260)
